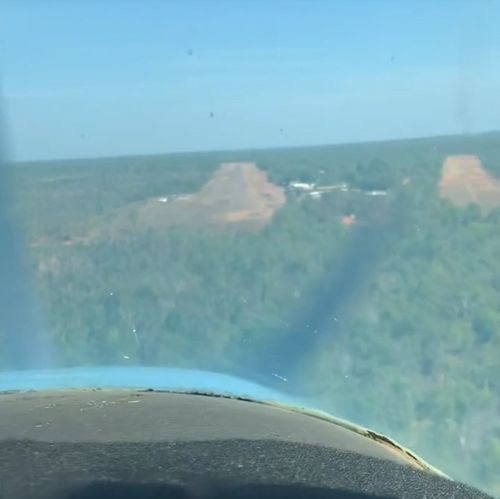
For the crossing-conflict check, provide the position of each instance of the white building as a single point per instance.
(302, 186)
(315, 194)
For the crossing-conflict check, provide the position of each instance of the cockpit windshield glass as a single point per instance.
(297, 201)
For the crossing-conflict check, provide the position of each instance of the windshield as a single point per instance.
(304, 195)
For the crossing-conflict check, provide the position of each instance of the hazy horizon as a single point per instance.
(259, 149)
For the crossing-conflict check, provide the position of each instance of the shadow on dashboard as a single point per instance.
(120, 490)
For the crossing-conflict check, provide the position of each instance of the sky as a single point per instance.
(88, 78)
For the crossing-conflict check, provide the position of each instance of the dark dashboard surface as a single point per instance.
(143, 444)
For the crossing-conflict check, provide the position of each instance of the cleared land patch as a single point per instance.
(237, 193)
(464, 181)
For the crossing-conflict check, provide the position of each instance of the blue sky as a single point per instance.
(94, 77)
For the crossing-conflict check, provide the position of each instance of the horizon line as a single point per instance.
(255, 149)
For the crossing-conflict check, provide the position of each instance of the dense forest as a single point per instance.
(392, 322)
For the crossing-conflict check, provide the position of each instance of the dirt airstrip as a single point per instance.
(465, 181)
(237, 193)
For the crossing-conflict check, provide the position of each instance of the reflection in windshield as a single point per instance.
(360, 278)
